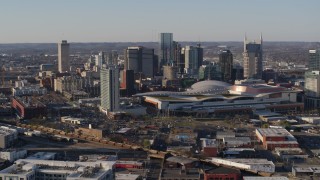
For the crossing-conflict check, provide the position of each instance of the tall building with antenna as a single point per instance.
(252, 58)
(63, 56)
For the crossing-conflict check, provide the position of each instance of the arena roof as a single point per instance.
(209, 85)
(200, 88)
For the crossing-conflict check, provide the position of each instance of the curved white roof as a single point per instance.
(199, 88)
(209, 85)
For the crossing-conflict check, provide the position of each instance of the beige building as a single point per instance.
(8, 136)
(252, 59)
(63, 56)
(68, 83)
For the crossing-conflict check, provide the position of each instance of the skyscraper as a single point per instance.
(63, 56)
(252, 59)
(200, 54)
(314, 60)
(165, 49)
(193, 57)
(127, 82)
(226, 65)
(112, 58)
(312, 89)
(109, 79)
(99, 59)
(140, 60)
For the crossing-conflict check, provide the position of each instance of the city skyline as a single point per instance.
(142, 21)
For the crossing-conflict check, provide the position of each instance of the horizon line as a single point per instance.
(79, 42)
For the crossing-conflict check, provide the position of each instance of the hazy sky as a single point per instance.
(142, 20)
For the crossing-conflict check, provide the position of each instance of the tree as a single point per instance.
(117, 138)
(146, 143)
(285, 124)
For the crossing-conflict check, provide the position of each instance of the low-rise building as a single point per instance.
(127, 176)
(13, 155)
(75, 95)
(28, 107)
(254, 165)
(222, 173)
(209, 147)
(90, 102)
(29, 91)
(291, 153)
(237, 141)
(311, 120)
(276, 137)
(179, 161)
(306, 171)
(129, 165)
(180, 174)
(222, 134)
(8, 136)
(264, 178)
(28, 169)
(72, 120)
(239, 152)
(43, 156)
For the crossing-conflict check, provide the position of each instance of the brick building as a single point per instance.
(222, 173)
(28, 107)
(272, 138)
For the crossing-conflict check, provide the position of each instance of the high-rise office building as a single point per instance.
(252, 59)
(63, 56)
(176, 53)
(127, 83)
(312, 89)
(112, 58)
(193, 58)
(200, 54)
(166, 49)
(99, 59)
(140, 60)
(109, 80)
(314, 60)
(226, 65)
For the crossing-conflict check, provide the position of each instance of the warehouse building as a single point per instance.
(254, 165)
(272, 138)
(28, 169)
(28, 107)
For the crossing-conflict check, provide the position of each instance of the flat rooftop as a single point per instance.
(249, 161)
(74, 169)
(264, 178)
(244, 139)
(42, 156)
(7, 131)
(188, 174)
(273, 132)
(305, 169)
(29, 102)
(127, 176)
(208, 142)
